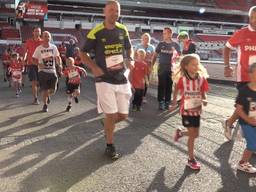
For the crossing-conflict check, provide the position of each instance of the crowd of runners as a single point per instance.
(121, 71)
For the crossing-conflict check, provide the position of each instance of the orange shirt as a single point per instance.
(31, 46)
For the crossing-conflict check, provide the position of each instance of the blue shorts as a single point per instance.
(249, 133)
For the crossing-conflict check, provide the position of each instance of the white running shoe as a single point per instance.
(246, 167)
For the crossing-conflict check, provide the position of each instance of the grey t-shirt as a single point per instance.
(165, 52)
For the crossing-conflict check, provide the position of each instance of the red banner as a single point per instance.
(31, 11)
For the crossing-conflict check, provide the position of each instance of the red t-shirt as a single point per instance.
(31, 46)
(16, 69)
(138, 75)
(245, 42)
(191, 95)
(73, 74)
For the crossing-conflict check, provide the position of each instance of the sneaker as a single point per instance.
(161, 105)
(68, 109)
(193, 164)
(48, 100)
(178, 135)
(134, 108)
(76, 99)
(111, 152)
(17, 95)
(227, 130)
(36, 102)
(45, 108)
(246, 167)
(139, 108)
(167, 105)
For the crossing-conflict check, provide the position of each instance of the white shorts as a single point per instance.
(113, 98)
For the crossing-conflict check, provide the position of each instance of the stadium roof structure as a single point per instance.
(188, 5)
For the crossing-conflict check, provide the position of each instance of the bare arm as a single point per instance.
(174, 102)
(204, 98)
(130, 54)
(226, 55)
(25, 55)
(153, 59)
(228, 71)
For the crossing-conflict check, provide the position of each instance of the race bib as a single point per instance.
(193, 101)
(73, 74)
(252, 59)
(114, 60)
(16, 74)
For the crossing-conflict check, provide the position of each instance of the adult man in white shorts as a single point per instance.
(109, 41)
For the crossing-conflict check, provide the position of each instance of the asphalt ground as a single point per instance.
(63, 151)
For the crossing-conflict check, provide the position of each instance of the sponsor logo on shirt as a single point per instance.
(250, 47)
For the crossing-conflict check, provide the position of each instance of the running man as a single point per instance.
(109, 41)
(46, 56)
(32, 68)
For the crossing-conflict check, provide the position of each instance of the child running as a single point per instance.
(191, 83)
(73, 74)
(246, 109)
(15, 69)
(138, 77)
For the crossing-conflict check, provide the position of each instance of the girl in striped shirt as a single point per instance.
(191, 83)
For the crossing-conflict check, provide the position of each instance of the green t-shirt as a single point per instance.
(109, 47)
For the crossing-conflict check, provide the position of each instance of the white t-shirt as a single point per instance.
(47, 57)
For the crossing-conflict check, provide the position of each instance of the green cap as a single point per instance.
(183, 34)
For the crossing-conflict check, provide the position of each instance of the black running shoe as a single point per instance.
(76, 99)
(45, 108)
(110, 151)
(68, 109)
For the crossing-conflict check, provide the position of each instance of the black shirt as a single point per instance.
(109, 48)
(189, 48)
(247, 98)
(165, 51)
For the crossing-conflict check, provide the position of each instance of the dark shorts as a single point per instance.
(240, 85)
(191, 121)
(72, 87)
(47, 80)
(32, 72)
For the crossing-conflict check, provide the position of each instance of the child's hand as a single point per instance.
(172, 106)
(205, 102)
